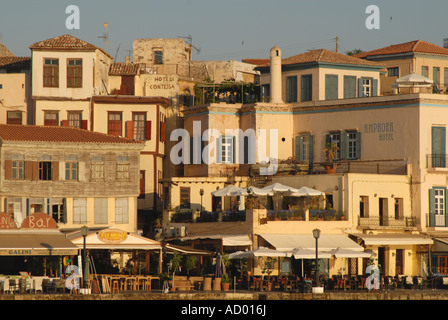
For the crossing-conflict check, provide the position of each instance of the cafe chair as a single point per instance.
(13, 286)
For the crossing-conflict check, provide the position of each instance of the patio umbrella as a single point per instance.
(278, 187)
(226, 191)
(308, 254)
(347, 253)
(413, 80)
(253, 191)
(305, 192)
(259, 252)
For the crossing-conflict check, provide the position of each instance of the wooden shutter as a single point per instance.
(311, 149)
(84, 124)
(148, 130)
(35, 170)
(374, 87)
(28, 170)
(299, 148)
(438, 146)
(129, 130)
(291, 89)
(55, 171)
(331, 86)
(65, 123)
(349, 87)
(343, 147)
(358, 145)
(360, 88)
(162, 131)
(8, 169)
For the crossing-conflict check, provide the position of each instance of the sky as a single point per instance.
(226, 29)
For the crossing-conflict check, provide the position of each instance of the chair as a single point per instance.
(429, 283)
(389, 283)
(115, 286)
(417, 282)
(59, 285)
(13, 285)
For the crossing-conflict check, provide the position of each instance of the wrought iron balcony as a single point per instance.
(436, 161)
(392, 222)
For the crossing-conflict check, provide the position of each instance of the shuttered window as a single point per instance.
(438, 146)
(291, 89)
(79, 210)
(121, 210)
(436, 75)
(74, 73)
(349, 87)
(305, 148)
(100, 211)
(139, 126)
(51, 118)
(51, 73)
(307, 87)
(348, 142)
(331, 86)
(114, 123)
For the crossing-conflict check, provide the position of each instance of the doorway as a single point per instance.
(382, 210)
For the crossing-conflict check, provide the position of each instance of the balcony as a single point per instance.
(437, 162)
(388, 222)
(434, 220)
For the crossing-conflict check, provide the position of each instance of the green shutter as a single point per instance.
(307, 87)
(445, 77)
(291, 89)
(349, 87)
(432, 208)
(374, 87)
(344, 141)
(218, 150)
(438, 143)
(436, 75)
(311, 154)
(299, 148)
(358, 145)
(360, 91)
(331, 86)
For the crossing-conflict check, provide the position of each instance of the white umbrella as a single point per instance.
(278, 187)
(348, 253)
(412, 80)
(309, 254)
(254, 191)
(225, 191)
(259, 252)
(305, 191)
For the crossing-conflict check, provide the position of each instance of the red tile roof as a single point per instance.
(257, 62)
(10, 132)
(65, 41)
(412, 46)
(123, 68)
(324, 55)
(15, 62)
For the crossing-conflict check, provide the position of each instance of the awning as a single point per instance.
(35, 243)
(187, 250)
(114, 239)
(326, 242)
(229, 240)
(393, 239)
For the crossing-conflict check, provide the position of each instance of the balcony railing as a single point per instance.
(436, 161)
(402, 222)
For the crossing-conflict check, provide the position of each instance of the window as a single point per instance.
(71, 168)
(227, 149)
(114, 124)
(14, 117)
(45, 168)
(139, 125)
(438, 147)
(74, 73)
(184, 198)
(363, 207)
(393, 72)
(304, 148)
(437, 207)
(97, 168)
(51, 118)
(18, 167)
(335, 137)
(331, 86)
(123, 168)
(352, 145)
(158, 57)
(439, 201)
(398, 208)
(79, 211)
(366, 87)
(291, 89)
(58, 209)
(425, 71)
(74, 119)
(100, 211)
(51, 73)
(307, 87)
(121, 210)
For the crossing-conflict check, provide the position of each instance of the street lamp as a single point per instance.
(201, 193)
(316, 235)
(84, 232)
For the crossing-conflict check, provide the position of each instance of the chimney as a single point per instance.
(128, 59)
(276, 75)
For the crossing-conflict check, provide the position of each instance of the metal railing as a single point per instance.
(402, 222)
(436, 161)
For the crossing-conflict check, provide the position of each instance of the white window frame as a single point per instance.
(79, 210)
(121, 210)
(367, 87)
(227, 148)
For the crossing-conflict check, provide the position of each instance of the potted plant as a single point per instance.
(330, 150)
(225, 282)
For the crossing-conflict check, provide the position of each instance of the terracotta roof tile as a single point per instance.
(9, 132)
(257, 62)
(65, 41)
(123, 68)
(15, 62)
(412, 46)
(328, 56)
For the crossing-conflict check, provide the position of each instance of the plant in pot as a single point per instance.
(225, 282)
(330, 151)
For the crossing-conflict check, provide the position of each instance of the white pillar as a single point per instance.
(276, 75)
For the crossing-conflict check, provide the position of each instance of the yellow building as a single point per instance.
(416, 56)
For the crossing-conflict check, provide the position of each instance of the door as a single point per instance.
(438, 135)
(399, 261)
(382, 210)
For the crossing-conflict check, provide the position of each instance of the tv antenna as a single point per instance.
(105, 35)
(190, 42)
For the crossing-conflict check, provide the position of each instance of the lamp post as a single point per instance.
(84, 232)
(316, 235)
(201, 193)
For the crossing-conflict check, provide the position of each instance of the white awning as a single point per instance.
(393, 239)
(326, 242)
(229, 240)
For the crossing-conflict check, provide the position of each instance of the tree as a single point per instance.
(353, 52)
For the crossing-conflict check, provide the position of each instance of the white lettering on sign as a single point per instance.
(39, 223)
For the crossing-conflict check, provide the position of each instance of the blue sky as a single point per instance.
(227, 29)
